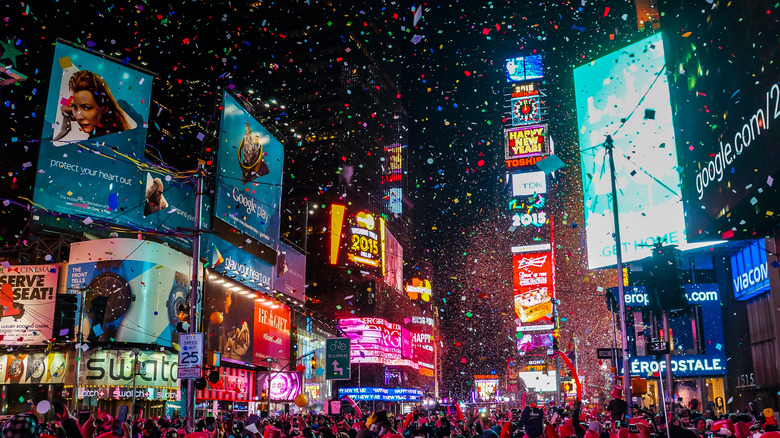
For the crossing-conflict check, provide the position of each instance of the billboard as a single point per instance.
(34, 368)
(233, 385)
(487, 387)
(529, 183)
(357, 239)
(383, 394)
(750, 271)
(229, 313)
(238, 264)
(422, 349)
(525, 142)
(284, 385)
(271, 329)
(533, 278)
(524, 68)
(112, 368)
(394, 262)
(374, 340)
(93, 104)
(27, 294)
(726, 105)
(626, 95)
(249, 174)
(140, 284)
(290, 272)
(419, 289)
(526, 110)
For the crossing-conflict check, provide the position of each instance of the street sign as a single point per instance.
(657, 347)
(337, 359)
(606, 353)
(190, 355)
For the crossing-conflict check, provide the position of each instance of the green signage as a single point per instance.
(337, 359)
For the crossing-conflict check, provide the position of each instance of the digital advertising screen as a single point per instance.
(626, 95)
(375, 340)
(487, 386)
(285, 385)
(532, 272)
(394, 262)
(524, 68)
(525, 141)
(750, 271)
(422, 349)
(132, 289)
(290, 272)
(93, 105)
(357, 238)
(272, 329)
(526, 110)
(229, 314)
(249, 174)
(726, 110)
(27, 295)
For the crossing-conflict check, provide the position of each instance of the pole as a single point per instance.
(135, 375)
(669, 379)
(193, 301)
(609, 145)
(663, 397)
(75, 394)
(268, 386)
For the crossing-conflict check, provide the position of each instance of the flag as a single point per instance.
(217, 258)
(417, 15)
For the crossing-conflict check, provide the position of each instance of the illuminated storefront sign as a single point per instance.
(382, 394)
(695, 365)
(522, 162)
(525, 141)
(750, 271)
(233, 385)
(636, 296)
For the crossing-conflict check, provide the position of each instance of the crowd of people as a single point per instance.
(548, 421)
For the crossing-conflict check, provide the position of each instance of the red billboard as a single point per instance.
(532, 273)
(272, 329)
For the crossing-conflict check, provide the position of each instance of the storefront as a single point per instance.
(233, 393)
(107, 379)
(311, 337)
(31, 378)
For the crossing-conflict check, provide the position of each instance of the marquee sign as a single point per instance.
(525, 142)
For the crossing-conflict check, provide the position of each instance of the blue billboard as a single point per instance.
(524, 68)
(249, 174)
(750, 271)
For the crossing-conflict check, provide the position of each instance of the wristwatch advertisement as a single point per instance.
(15, 368)
(106, 301)
(176, 298)
(37, 368)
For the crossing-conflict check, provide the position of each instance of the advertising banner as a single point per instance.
(132, 289)
(646, 169)
(374, 340)
(233, 385)
(290, 272)
(524, 68)
(750, 271)
(92, 103)
(486, 387)
(394, 262)
(529, 183)
(726, 111)
(526, 141)
(27, 295)
(284, 385)
(363, 244)
(112, 368)
(249, 175)
(422, 349)
(229, 315)
(534, 288)
(238, 264)
(272, 329)
(34, 368)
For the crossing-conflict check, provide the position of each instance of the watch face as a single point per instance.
(37, 368)
(178, 296)
(16, 369)
(117, 292)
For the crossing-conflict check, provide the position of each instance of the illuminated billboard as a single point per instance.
(422, 349)
(419, 289)
(534, 285)
(363, 243)
(284, 385)
(525, 141)
(524, 68)
(487, 387)
(374, 340)
(394, 262)
(626, 95)
(27, 295)
(750, 271)
(132, 289)
(526, 110)
(249, 174)
(726, 105)
(529, 183)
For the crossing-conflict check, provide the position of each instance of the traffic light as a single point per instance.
(666, 289)
(293, 343)
(314, 362)
(66, 310)
(183, 313)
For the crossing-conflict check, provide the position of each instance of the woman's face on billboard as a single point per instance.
(86, 111)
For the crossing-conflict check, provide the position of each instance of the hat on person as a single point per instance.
(741, 429)
(272, 432)
(769, 415)
(22, 426)
(617, 392)
(722, 424)
(566, 430)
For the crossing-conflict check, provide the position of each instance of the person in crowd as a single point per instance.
(532, 420)
(617, 407)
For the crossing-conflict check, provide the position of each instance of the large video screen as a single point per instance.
(132, 289)
(534, 287)
(357, 238)
(724, 75)
(249, 175)
(626, 95)
(375, 340)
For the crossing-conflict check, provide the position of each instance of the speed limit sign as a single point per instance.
(190, 355)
